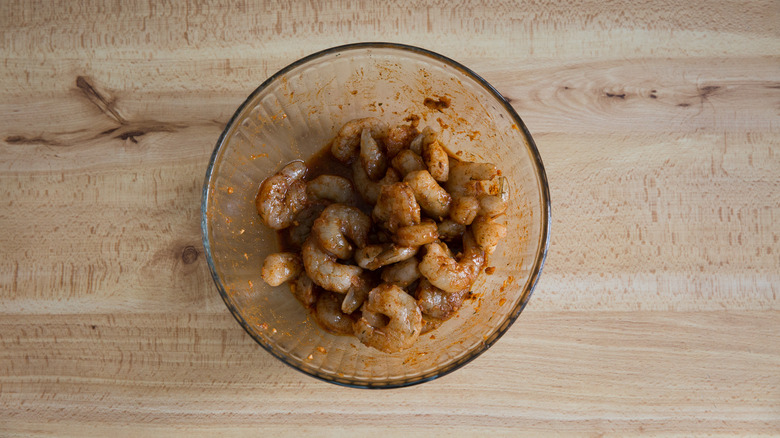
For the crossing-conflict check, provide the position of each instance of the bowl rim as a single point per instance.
(536, 270)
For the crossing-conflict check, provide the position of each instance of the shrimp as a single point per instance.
(427, 136)
(464, 209)
(436, 159)
(401, 274)
(448, 230)
(469, 178)
(449, 274)
(323, 269)
(282, 196)
(417, 235)
(373, 318)
(369, 190)
(493, 205)
(396, 207)
(407, 161)
(337, 223)
(433, 199)
(356, 294)
(301, 226)
(373, 257)
(399, 138)
(330, 316)
(331, 188)
(488, 233)
(345, 146)
(304, 290)
(281, 267)
(436, 303)
(371, 156)
(405, 322)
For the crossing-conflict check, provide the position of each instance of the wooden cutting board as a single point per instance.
(657, 312)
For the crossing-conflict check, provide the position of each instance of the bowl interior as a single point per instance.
(295, 114)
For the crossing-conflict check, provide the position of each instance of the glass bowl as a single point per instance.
(294, 114)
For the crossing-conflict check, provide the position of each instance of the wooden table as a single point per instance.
(658, 308)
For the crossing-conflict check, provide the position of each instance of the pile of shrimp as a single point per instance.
(391, 253)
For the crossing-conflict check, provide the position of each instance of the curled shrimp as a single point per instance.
(401, 274)
(493, 205)
(371, 156)
(464, 209)
(396, 207)
(323, 269)
(404, 325)
(437, 303)
(427, 136)
(407, 161)
(433, 199)
(336, 224)
(301, 226)
(373, 257)
(417, 235)
(282, 196)
(346, 143)
(488, 233)
(330, 315)
(436, 159)
(369, 190)
(356, 294)
(281, 267)
(331, 188)
(399, 138)
(303, 290)
(449, 274)
(470, 179)
(448, 230)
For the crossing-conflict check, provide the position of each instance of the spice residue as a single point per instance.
(438, 104)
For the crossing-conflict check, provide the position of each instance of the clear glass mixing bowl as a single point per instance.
(294, 114)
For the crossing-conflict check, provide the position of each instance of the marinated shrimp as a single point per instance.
(281, 267)
(447, 273)
(323, 269)
(301, 226)
(417, 235)
(372, 157)
(449, 230)
(369, 190)
(436, 159)
(464, 209)
(331, 188)
(330, 315)
(304, 290)
(399, 138)
(373, 257)
(468, 178)
(401, 274)
(406, 162)
(437, 303)
(282, 196)
(396, 207)
(493, 205)
(356, 294)
(385, 234)
(404, 325)
(433, 199)
(488, 232)
(347, 142)
(336, 224)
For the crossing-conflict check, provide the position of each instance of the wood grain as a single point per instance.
(657, 312)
